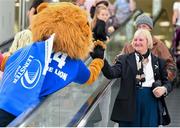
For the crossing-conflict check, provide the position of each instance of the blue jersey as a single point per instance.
(23, 78)
(33, 72)
(16, 97)
(62, 71)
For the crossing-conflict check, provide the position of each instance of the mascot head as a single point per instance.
(69, 23)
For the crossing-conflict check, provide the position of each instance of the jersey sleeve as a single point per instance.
(83, 73)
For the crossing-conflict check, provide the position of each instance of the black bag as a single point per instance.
(164, 117)
(166, 120)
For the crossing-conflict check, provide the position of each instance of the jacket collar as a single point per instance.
(132, 62)
(154, 60)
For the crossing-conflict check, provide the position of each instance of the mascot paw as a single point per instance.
(98, 51)
(99, 43)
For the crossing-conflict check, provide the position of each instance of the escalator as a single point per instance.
(80, 106)
(73, 105)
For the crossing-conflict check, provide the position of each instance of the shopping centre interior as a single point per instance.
(62, 109)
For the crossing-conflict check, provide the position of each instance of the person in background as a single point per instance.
(123, 9)
(96, 4)
(24, 37)
(33, 9)
(176, 38)
(99, 23)
(176, 14)
(21, 39)
(1, 59)
(88, 4)
(143, 83)
(80, 3)
(176, 24)
(159, 48)
(111, 21)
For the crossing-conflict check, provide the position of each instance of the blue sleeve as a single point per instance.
(83, 73)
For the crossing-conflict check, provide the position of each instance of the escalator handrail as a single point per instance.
(82, 121)
(157, 17)
(6, 42)
(131, 16)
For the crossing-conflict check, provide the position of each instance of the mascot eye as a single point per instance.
(88, 23)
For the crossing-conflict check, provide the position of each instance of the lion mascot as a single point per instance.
(63, 30)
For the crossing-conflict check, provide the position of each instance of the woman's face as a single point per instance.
(144, 26)
(103, 15)
(140, 43)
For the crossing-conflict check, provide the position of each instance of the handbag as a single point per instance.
(166, 120)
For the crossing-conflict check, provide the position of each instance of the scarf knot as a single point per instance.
(140, 76)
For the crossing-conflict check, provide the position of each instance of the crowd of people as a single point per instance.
(146, 67)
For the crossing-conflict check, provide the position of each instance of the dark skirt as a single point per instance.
(146, 110)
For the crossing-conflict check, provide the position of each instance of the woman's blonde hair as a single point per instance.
(145, 33)
(98, 10)
(21, 39)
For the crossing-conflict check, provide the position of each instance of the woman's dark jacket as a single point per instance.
(99, 31)
(126, 68)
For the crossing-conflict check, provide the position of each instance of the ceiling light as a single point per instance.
(17, 4)
(161, 37)
(164, 23)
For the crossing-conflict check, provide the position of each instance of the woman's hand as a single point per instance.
(159, 91)
(111, 29)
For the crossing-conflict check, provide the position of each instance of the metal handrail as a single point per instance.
(156, 18)
(132, 16)
(6, 43)
(98, 98)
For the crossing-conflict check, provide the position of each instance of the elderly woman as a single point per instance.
(143, 83)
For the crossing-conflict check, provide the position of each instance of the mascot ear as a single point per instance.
(42, 7)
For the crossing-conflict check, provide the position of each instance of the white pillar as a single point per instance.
(23, 24)
(7, 20)
(156, 7)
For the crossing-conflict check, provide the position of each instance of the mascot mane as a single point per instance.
(69, 23)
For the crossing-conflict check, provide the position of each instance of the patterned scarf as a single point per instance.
(143, 59)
